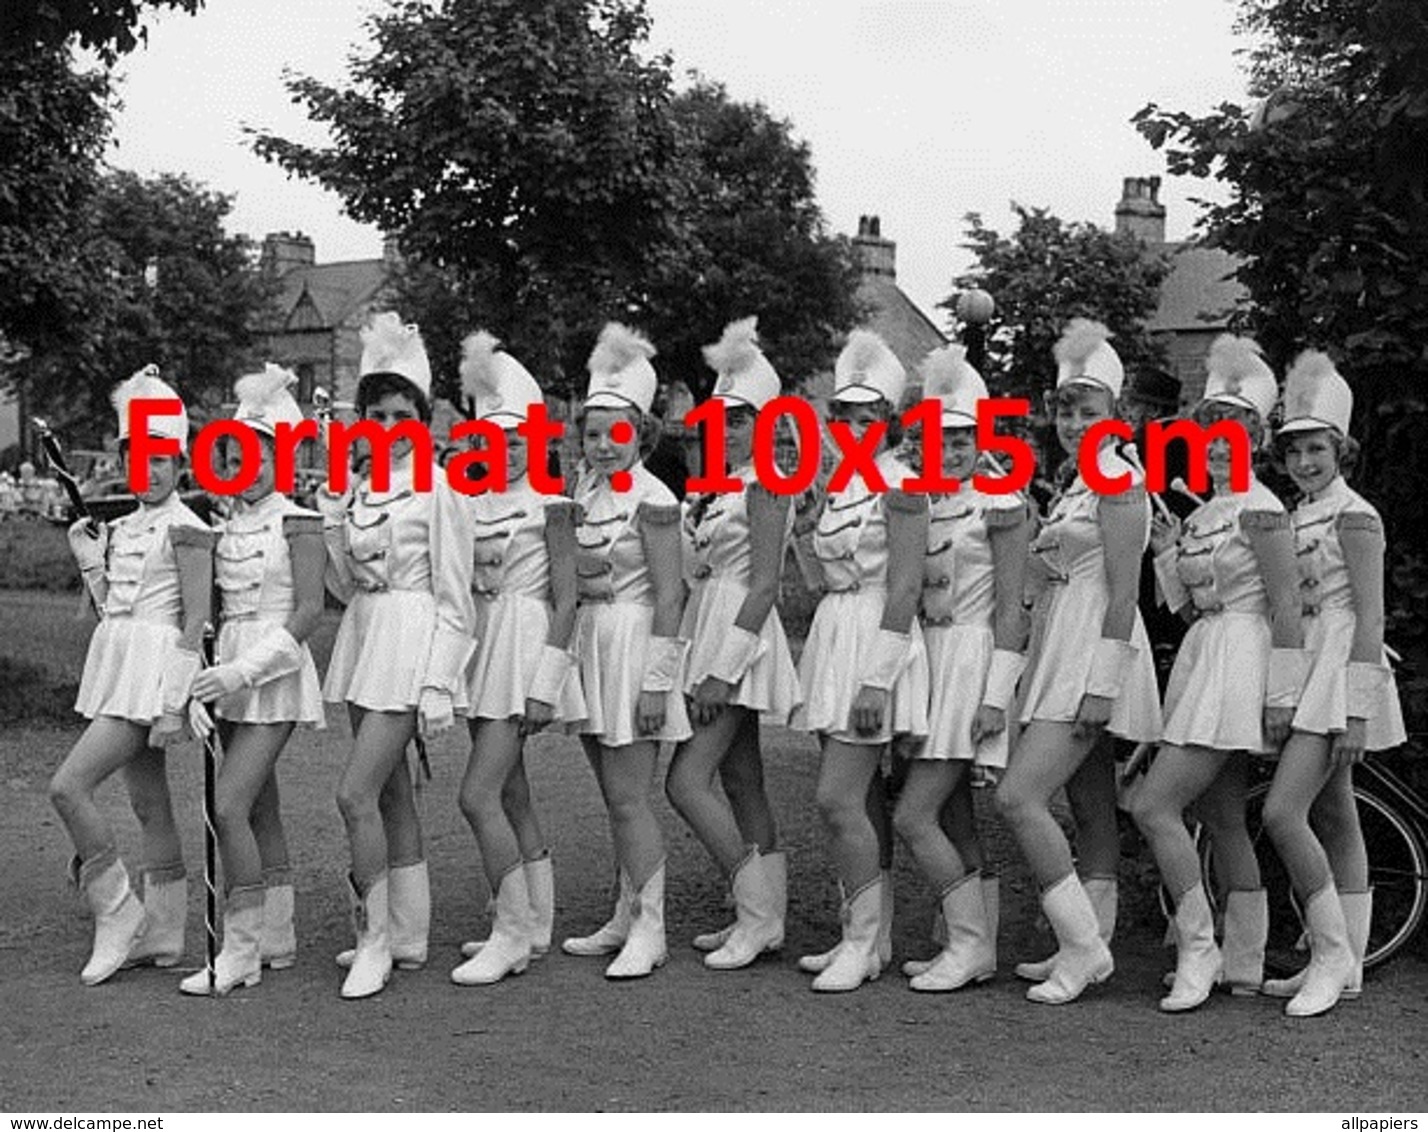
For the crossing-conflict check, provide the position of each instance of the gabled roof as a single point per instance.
(1198, 293)
(324, 295)
(909, 333)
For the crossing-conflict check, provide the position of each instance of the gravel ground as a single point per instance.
(561, 1037)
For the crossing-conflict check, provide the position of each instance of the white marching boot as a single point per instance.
(540, 883)
(991, 902)
(278, 948)
(1105, 899)
(970, 955)
(508, 950)
(644, 948)
(1082, 957)
(775, 866)
(240, 963)
(610, 936)
(761, 904)
(855, 959)
(409, 917)
(118, 915)
(1246, 929)
(1198, 964)
(371, 965)
(1331, 956)
(161, 944)
(1358, 915)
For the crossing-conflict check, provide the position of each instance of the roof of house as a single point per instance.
(325, 295)
(1198, 293)
(909, 333)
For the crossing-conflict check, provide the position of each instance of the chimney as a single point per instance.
(875, 255)
(1140, 213)
(283, 251)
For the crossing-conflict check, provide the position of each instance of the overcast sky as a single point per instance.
(916, 110)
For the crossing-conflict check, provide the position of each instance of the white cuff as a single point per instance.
(180, 667)
(1288, 672)
(550, 675)
(450, 651)
(1172, 589)
(1005, 670)
(737, 652)
(1110, 662)
(275, 654)
(888, 658)
(1367, 683)
(663, 660)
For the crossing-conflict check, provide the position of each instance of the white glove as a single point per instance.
(886, 660)
(1288, 672)
(220, 680)
(434, 711)
(737, 652)
(333, 507)
(663, 662)
(180, 668)
(273, 655)
(1003, 673)
(88, 541)
(168, 728)
(199, 721)
(1110, 663)
(1366, 685)
(550, 675)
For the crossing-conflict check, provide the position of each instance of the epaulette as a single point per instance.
(658, 514)
(302, 523)
(1360, 521)
(1264, 520)
(907, 502)
(201, 537)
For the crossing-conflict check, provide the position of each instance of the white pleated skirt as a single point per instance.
(379, 658)
(958, 657)
(1323, 708)
(510, 634)
(770, 686)
(294, 698)
(1064, 632)
(1215, 695)
(123, 669)
(612, 645)
(845, 625)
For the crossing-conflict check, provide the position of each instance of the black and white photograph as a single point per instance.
(642, 556)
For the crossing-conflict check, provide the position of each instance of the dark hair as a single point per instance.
(374, 386)
(649, 427)
(894, 435)
(1346, 448)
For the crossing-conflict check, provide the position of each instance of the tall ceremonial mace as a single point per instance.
(210, 844)
(55, 454)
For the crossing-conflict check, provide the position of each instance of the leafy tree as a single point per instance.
(525, 146)
(1328, 211)
(54, 124)
(1048, 272)
(109, 27)
(178, 291)
(751, 240)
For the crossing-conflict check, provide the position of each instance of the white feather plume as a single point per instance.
(1235, 360)
(385, 341)
(259, 389)
(1310, 371)
(478, 365)
(945, 370)
(618, 347)
(864, 352)
(1080, 340)
(143, 383)
(737, 348)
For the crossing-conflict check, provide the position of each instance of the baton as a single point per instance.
(1178, 484)
(55, 455)
(210, 848)
(1128, 450)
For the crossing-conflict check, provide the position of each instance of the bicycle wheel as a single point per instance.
(1398, 873)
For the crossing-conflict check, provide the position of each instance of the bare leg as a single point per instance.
(495, 752)
(368, 808)
(742, 776)
(1047, 755)
(268, 829)
(849, 802)
(627, 779)
(1302, 773)
(1177, 777)
(249, 754)
(930, 782)
(106, 745)
(1222, 809)
(958, 821)
(691, 788)
(520, 812)
(1335, 818)
(1092, 794)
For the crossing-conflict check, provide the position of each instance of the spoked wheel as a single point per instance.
(1398, 873)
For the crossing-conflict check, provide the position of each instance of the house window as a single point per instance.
(305, 382)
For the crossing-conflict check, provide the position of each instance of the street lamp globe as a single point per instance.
(975, 306)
